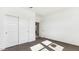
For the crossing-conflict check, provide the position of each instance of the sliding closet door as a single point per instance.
(23, 31)
(11, 30)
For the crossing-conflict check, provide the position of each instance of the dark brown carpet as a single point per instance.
(26, 46)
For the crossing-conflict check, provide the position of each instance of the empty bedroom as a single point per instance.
(39, 28)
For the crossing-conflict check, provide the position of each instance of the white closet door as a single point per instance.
(2, 40)
(11, 30)
(23, 31)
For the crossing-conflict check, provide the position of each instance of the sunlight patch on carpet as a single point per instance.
(46, 42)
(37, 47)
(44, 49)
(49, 44)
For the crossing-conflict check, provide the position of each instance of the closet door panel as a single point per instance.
(11, 31)
(23, 31)
(2, 41)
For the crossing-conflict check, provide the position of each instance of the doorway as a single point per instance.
(37, 29)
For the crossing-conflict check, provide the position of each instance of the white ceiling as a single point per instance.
(43, 11)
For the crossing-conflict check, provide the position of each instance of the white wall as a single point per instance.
(62, 26)
(38, 17)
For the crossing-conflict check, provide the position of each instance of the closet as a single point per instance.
(16, 30)
(18, 27)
